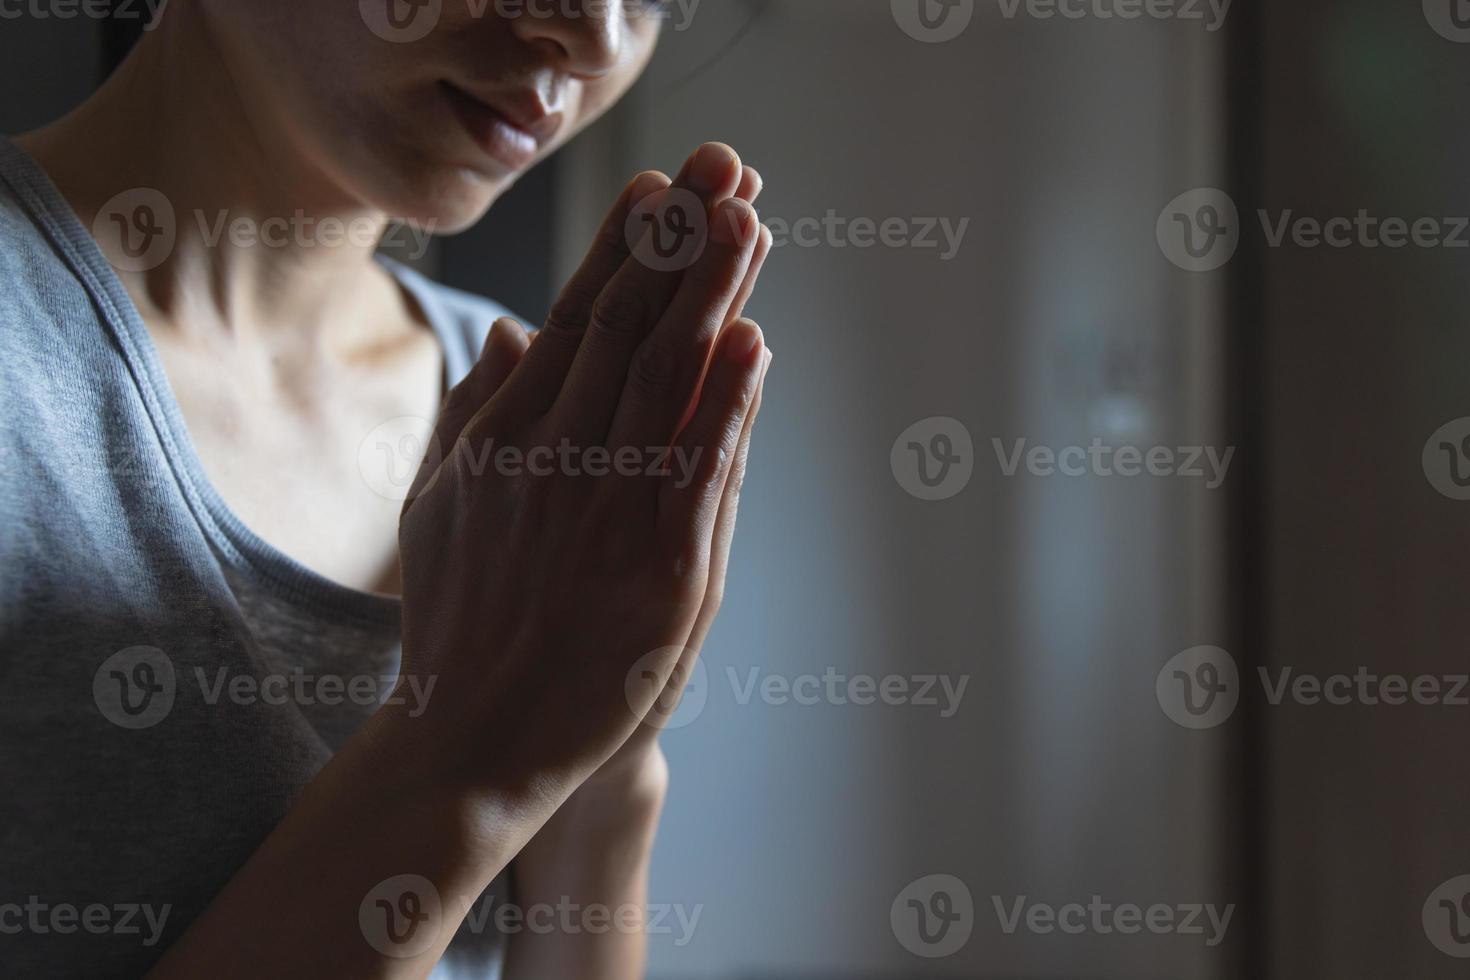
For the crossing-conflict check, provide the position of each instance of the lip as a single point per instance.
(512, 130)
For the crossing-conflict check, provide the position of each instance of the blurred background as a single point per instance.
(1014, 227)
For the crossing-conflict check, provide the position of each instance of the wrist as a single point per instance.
(607, 827)
(423, 761)
(628, 790)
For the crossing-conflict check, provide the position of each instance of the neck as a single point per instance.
(266, 241)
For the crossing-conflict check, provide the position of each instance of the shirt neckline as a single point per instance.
(235, 543)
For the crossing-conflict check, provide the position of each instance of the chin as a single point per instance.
(446, 199)
(449, 213)
(411, 161)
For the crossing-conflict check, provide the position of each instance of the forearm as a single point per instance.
(322, 887)
(582, 884)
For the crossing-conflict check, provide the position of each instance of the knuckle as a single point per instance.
(720, 467)
(707, 485)
(729, 437)
(612, 238)
(655, 368)
(735, 405)
(618, 313)
(570, 312)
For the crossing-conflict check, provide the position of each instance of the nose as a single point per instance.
(584, 36)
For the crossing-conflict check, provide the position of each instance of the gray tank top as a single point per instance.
(169, 682)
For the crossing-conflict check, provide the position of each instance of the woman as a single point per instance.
(200, 587)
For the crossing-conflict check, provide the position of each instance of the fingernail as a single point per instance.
(733, 221)
(648, 184)
(711, 167)
(743, 345)
(498, 325)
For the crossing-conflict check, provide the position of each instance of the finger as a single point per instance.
(640, 294)
(719, 561)
(713, 171)
(737, 308)
(752, 275)
(535, 387)
(751, 185)
(504, 347)
(724, 533)
(667, 367)
(702, 458)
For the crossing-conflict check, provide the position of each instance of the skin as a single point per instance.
(283, 106)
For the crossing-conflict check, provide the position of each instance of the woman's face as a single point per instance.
(429, 109)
